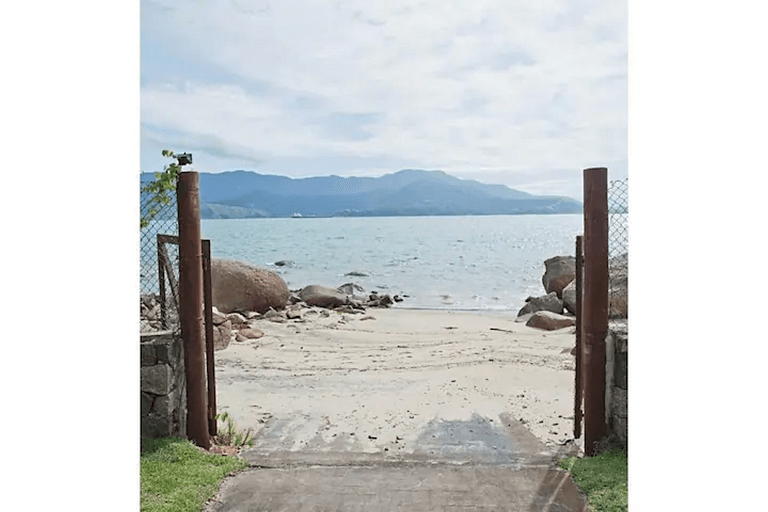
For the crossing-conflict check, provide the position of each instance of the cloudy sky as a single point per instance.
(526, 94)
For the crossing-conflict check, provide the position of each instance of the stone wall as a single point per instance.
(163, 392)
(616, 380)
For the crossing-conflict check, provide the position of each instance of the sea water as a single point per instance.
(455, 263)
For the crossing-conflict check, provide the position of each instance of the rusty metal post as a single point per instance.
(161, 277)
(208, 301)
(191, 306)
(578, 385)
(595, 304)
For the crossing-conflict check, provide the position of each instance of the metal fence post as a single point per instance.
(191, 306)
(595, 304)
(579, 383)
(161, 277)
(209, 357)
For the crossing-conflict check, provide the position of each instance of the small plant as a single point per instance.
(161, 190)
(229, 435)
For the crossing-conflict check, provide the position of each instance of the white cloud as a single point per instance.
(447, 84)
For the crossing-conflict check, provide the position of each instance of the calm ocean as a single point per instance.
(456, 263)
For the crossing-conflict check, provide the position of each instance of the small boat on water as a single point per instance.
(296, 215)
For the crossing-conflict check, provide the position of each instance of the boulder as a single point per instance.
(377, 301)
(238, 286)
(236, 318)
(271, 313)
(251, 333)
(350, 288)
(550, 321)
(618, 289)
(620, 262)
(217, 317)
(323, 296)
(569, 297)
(618, 305)
(347, 308)
(276, 316)
(559, 271)
(524, 318)
(150, 307)
(548, 302)
(222, 335)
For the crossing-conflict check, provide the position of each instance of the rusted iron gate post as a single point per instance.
(164, 268)
(161, 278)
(595, 304)
(191, 306)
(208, 299)
(579, 384)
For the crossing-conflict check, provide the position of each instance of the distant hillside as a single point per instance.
(242, 194)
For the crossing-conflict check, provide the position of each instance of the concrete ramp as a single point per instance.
(408, 487)
(456, 465)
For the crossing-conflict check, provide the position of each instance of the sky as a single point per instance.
(525, 94)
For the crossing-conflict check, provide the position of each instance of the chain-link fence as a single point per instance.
(158, 219)
(618, 248)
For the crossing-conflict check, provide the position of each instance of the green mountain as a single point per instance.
(242, 194)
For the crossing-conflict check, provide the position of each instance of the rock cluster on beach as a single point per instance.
(310, 301)
(557, 309)
(243, 293)
(151, 313)
(548, 311)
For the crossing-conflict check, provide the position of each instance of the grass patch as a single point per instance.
(176, 476)
(603, 478)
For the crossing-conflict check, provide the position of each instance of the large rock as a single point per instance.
(237, 319)
(548, 302)
(559, 271)
(222, 335)
(251, 333)
(323, 296)
(549, 321)
(618, 289)
(238, 286)
(569, 297)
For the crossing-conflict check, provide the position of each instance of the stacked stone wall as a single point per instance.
(616, 396)
(163, 392)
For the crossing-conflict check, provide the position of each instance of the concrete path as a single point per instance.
(469, 465)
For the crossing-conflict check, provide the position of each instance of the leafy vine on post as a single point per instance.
(162, 188)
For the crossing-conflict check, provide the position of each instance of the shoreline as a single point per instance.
(377, 381)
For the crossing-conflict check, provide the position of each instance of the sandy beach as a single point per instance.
(376, 381)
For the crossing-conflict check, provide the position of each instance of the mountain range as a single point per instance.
(411, 192)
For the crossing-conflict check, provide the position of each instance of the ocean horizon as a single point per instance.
(463, 263)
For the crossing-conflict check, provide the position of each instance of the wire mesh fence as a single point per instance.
(160, 219)
(618, 248)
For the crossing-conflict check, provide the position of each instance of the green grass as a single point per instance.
(603, 478)
(178, 477)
